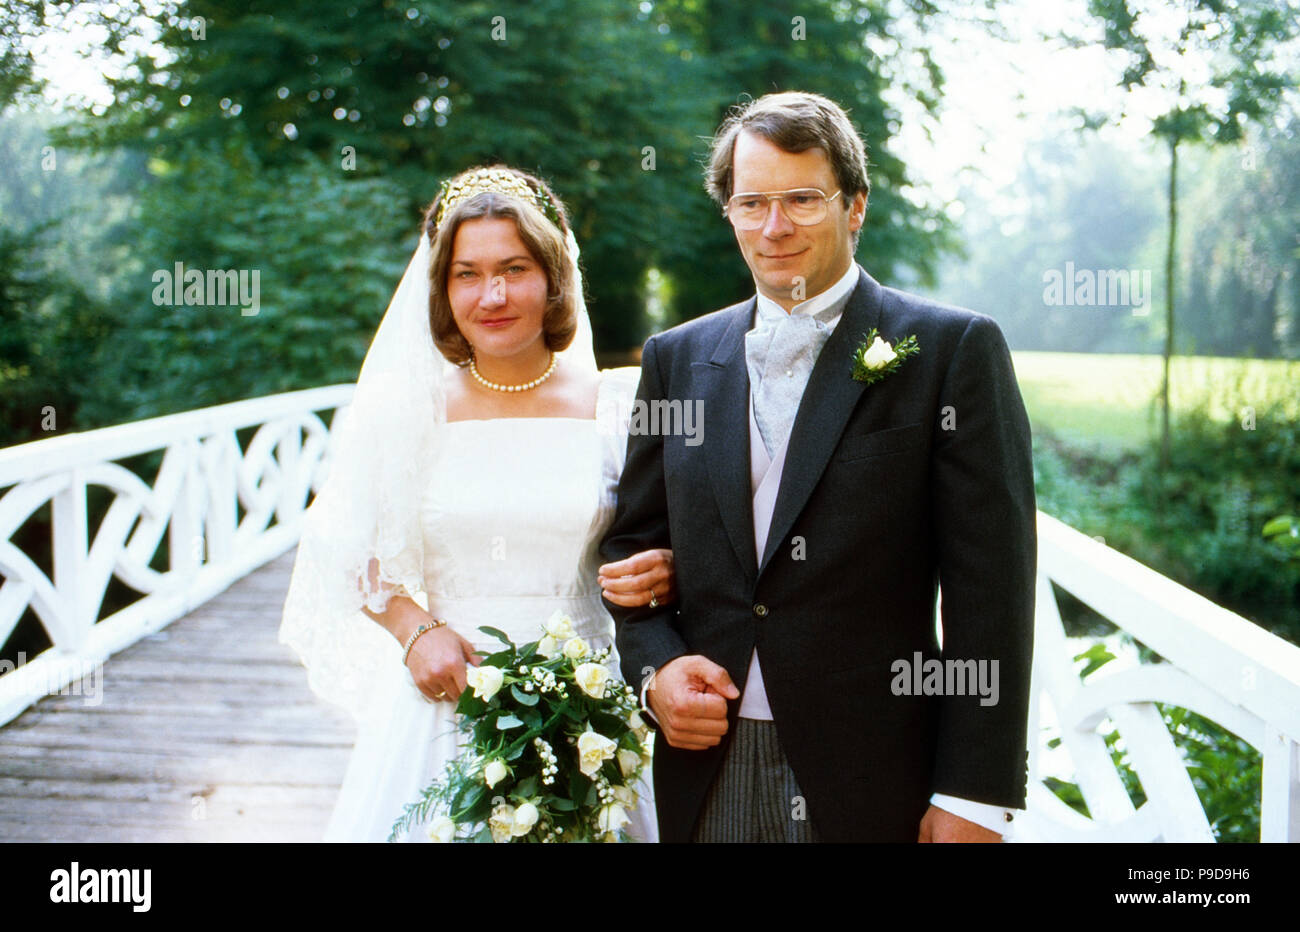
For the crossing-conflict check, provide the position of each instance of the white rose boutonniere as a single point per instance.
(878, 354)
(876, 358)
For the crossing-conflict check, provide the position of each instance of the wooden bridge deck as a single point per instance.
(206, 731)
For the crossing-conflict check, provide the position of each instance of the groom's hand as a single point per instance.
(689, 699)
(940, 825)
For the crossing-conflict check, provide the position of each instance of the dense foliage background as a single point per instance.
(304, 140)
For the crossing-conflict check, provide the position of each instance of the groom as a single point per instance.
(798, 686)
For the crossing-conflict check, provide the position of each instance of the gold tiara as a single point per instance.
(497, 180)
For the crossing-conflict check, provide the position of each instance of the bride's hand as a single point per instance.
(633, 582)
(437, 663)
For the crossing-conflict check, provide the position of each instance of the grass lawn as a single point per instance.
(1110, 401)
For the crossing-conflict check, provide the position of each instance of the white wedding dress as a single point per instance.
(513, 512)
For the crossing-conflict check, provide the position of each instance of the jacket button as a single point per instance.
(760, 610)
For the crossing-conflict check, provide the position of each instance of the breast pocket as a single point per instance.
(881, 442)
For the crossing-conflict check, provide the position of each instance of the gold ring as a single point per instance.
(441, 695)
(654, 600)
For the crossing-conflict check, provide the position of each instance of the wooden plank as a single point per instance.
(211, 738)
(208, 832)
(306, 766)
(182, 669)
(148, 698)
(259, 794)
(212, 709)
(137, 725)
(114, 718)
(227, 807)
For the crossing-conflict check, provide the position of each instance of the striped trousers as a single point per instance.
(754, 797)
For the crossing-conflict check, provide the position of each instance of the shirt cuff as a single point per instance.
(994, 818)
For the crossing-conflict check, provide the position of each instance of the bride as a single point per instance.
(469, 484)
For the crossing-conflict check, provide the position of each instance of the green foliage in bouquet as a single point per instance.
(553, 750)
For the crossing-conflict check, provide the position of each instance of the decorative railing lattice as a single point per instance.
(195, 499)
(1214, 663)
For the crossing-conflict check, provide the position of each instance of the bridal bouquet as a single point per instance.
(555, 745)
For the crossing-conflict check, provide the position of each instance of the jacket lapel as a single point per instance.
(827, 402)
(724, 384)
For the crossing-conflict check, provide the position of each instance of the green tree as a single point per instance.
(303, 143)
(417, 91)
(19, 20)
(1077, 200)
(1243, 268)
(608, 100)
(1213, 66)
(56, 253)
(49, 328)
(326, 252)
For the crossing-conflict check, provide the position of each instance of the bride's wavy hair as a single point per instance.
(545, 239)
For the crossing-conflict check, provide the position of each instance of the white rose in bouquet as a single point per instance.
(494, 773)
(628, 761)
(526, 816)
(593, 750)
(486, 680)
(592, 678)
(559, 626)
(502, 822)
(612, 817)
(442, 830)
(639, 727)
(576, 648)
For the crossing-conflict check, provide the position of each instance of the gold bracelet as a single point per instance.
(410, 642)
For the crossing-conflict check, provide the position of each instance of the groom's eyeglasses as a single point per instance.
(804, 206)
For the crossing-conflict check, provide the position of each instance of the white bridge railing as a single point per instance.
(204, 480)
(1216, 664)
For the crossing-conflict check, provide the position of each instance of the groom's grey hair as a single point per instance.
(795, 121)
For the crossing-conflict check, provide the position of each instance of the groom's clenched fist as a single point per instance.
(689, 700)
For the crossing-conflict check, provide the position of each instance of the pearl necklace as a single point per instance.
(473, 371)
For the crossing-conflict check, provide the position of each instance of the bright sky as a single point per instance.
(1000, 96)
(60, 59)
